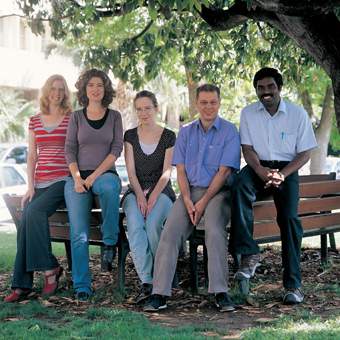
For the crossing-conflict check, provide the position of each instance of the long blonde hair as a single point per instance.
(65, 105)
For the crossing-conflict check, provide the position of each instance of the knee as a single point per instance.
(171, 238)
(79, 237)
(110, 189)
(153, 230)
(214, 236)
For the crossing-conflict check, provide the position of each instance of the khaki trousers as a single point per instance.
(178, 228)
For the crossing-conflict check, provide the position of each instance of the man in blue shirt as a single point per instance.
(207, 151)
(277, 138)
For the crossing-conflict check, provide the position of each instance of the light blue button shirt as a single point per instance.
(203, 153)
(279, 137)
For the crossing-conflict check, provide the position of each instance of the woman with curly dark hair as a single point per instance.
(94, 141)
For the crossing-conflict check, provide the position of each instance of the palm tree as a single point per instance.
(14, 114)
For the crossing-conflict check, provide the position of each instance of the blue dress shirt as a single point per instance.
(202, 153)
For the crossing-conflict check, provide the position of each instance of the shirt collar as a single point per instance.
(216, 124)
(282, 107)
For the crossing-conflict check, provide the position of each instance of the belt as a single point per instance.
(274, 164)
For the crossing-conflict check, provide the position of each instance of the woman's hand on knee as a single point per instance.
(142, 204)
(79, 185)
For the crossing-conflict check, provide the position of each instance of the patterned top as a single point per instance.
(51, 165)
(149, 168)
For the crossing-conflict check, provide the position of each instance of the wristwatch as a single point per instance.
(282, 175)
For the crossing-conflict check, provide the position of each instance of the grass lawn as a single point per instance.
(42, 319)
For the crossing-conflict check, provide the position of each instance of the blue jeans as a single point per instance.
(107, 187)
(144, 234)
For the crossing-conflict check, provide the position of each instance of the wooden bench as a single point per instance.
(319, 197)
(60, 231)
(319, 200)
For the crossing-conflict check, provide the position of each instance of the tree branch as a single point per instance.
(146, 28)
(293, 7)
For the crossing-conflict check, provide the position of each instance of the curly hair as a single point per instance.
(65, 104)
(83, 80)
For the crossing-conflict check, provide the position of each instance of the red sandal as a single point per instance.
(16, 296)
(50, 288)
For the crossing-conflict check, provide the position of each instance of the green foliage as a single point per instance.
(335, 137)
(14, 114)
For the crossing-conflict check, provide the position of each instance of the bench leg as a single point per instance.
(205, 261)
(193, 267)
(324, 251)
(332, 241)
(68, 255)
(123, 251)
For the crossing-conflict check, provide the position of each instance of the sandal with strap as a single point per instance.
(17, 295)
(50, 288)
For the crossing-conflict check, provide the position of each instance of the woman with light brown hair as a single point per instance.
(46, 172)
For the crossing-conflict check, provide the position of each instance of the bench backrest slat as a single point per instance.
(270, 228)
(266, 210)
(317, 178)
(316, 189)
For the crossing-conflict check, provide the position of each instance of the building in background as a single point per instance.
(24, 64)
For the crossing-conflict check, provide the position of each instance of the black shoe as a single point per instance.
(293, 296)
(145, 293)
(83, 296)
(156, 303)
(224, 303)
(108, 255)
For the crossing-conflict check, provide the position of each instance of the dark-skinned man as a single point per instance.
(276, 139)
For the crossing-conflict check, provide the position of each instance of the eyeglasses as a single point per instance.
(205, 103)
(146, 109)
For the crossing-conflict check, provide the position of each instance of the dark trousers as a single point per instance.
(34, 251)
(246, 188)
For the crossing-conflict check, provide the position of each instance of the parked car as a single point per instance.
(13, 153)
(122, 173)
(13, 180)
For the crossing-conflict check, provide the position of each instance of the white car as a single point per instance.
(332, 165)
(13, 180)
(13, 153)
(122, 173)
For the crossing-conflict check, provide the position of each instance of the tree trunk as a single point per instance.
(314, 30)
(307, 102)
(192, 86)
(123, 103)
(322, 133)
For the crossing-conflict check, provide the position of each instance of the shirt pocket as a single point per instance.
(288, 141)
(213, 155)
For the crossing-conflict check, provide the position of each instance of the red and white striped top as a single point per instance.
(51, 165)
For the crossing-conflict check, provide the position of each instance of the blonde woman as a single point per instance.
(148, 155)
(47, 171)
